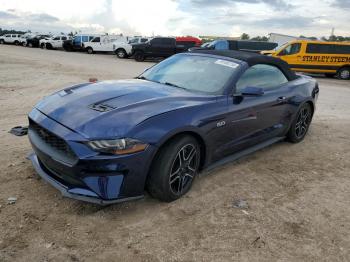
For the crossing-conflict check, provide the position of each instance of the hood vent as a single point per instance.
(101, 107)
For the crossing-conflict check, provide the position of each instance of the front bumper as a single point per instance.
(77, 193)
(63, 160)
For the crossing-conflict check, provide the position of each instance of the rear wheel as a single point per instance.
(2, 41)
(174, 169)
(30, 45)
(16, 42)
(139, 56)
(48, 46)
(121, 53)
(24, 43)
(344, 73)
(300, 124)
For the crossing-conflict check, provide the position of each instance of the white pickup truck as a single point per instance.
(123, 49)
(10, 39)
(54, 42)
(103, 43)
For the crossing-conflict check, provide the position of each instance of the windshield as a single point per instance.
(194, 73)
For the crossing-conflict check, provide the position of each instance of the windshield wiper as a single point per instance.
(171, 84)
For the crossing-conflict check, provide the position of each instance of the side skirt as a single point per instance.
(241, 154)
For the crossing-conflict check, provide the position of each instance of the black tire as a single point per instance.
(2, 41)
(174, 169)
(329, 75)
(16, 42)
(48, 46)
(89, 50)
(344, 73)
(139, 56)
(42, 45)
(24, 44)
(121, 53)
(30, 44)
(300, 124)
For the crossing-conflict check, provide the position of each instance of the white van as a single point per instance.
(103, 43)
(10, 39)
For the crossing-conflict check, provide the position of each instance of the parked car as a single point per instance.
(76, 44)
(43, 41)
(24, 37)
(103, 43)
(106, 142)
(10, 39)
(35, 40)
(55, 42)
(123, 49)
(157, 47)
(239, 45)
(329, 58)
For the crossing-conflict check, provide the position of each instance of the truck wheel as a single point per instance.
(89, 50)
(121, 53)
(42, 45)
(16, 42)
(2, 41)
(344, 73)
(48, 46)
(24, 44)
(139, 56)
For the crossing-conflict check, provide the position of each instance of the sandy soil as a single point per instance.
(298, 195)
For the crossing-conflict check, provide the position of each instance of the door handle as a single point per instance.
(281, 99)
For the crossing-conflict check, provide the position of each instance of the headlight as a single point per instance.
(118, 146)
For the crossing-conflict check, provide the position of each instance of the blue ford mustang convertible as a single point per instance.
(107, 142)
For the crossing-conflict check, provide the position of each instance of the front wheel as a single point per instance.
(344, 73)
(174, 169)
(16, 42)
(300, 124)
(89, 50)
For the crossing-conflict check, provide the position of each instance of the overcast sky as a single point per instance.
(179, 17)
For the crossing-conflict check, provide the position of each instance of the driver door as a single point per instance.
(254, 119)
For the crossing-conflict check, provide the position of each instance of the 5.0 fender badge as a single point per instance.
(220, 124)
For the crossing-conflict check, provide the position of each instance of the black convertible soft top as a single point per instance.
(253, 59)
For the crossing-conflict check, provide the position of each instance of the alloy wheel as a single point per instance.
(183, 169)
(303, 122)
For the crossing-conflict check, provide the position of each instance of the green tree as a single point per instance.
(245, 36)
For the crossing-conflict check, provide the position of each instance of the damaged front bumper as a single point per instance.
(77, 193)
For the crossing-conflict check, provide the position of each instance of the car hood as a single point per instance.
(111, 109)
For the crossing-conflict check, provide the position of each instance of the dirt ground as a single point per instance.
(298, 195)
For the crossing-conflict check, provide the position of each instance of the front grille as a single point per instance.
(51, 139)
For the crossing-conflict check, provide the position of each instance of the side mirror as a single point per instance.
(252, 91)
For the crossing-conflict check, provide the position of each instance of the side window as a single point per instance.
(64, 38)
(157, 41)
(265, 76)
(96, 40)
(85, 38)
(7, 35)
(291, 49)
(168, 41)
(56, 38)
(144, 40)
(221, 45)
